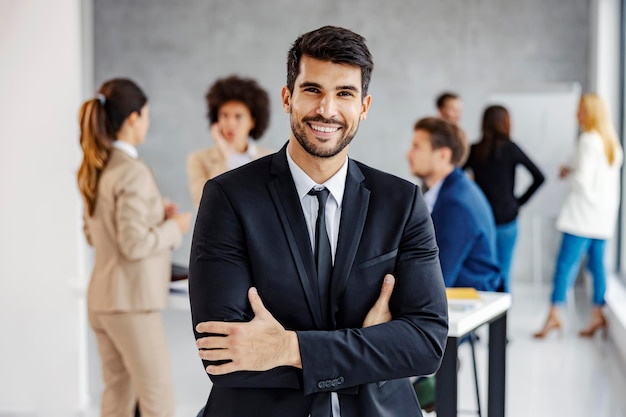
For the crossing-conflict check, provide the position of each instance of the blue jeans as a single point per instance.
(506, 235)
(573, 248)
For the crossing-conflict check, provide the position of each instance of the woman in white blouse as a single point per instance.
(239, 109)
(588, 217)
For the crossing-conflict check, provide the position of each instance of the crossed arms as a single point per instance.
(246, 346)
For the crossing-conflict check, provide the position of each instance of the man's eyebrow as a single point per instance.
(347, 87)
(306, 84)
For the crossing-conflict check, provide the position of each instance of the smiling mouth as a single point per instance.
(324, 129)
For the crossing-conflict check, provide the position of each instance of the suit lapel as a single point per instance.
(353, 214)
(289, 209)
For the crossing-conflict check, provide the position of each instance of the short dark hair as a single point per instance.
(246, 91)
(443, 134)
(441, 100)
(334, 44)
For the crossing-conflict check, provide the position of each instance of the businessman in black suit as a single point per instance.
(290, 253)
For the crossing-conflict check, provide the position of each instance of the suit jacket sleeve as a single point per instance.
(137, 237)
(455, 236)
(219, 279)
(411, 344)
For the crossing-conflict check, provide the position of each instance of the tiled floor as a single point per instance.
(558, 376)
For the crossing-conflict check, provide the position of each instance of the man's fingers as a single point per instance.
(222, 369)
(212, 342)
(387, 289)
(217, 327)
(215, 355)
(255, 302)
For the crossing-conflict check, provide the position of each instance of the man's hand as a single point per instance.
(380, 313)
(258, 345)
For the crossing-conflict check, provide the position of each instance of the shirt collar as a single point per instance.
(335, 184)
(127, 148)
(430, 196)
(251, 151)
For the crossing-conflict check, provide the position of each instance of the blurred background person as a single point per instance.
(464, 225)
(588, 216)
(450, 107)
(238, 109)
(463, 222)
(493, 162)
(133, 231)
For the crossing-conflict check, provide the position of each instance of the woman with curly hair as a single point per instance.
(239, 109)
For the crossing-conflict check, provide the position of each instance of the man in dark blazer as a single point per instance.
(463, 220)
(275, 339)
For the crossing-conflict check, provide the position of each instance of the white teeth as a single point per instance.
(324, 129)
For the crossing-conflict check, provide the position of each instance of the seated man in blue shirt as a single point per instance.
(464, 225)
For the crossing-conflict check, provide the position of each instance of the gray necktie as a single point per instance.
(323, 255)
(322, 406)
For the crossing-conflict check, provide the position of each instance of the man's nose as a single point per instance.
(327, 107)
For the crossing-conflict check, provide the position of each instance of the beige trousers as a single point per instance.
(135, 364)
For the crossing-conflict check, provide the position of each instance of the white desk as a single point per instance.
(465, 316)
(179, 295)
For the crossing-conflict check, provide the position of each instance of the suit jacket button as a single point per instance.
(340, 380)
(334, 382)
(327, 383)
(320, 384)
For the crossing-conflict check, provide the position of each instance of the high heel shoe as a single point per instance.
(552, 323)
(595, 325)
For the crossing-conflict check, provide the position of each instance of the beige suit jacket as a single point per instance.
(131, 238)
(208, 163)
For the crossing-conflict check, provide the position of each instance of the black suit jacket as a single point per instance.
(250, 231)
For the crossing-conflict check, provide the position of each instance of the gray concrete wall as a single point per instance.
(176, 49)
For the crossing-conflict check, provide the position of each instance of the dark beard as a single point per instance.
(300, 134)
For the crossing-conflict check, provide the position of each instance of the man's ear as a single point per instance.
(446, 154)
(367, 100)
(286, 99)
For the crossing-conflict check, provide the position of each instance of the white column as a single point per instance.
(42, 319)
(604, 60)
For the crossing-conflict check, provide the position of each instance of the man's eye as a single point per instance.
(346, 94)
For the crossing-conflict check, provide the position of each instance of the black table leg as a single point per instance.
(497, 367)
(446, 383)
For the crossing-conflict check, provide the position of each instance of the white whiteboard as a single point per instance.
(544, 125)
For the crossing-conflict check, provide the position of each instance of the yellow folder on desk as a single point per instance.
(462, 293)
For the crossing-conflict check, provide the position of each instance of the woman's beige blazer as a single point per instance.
(131, 238)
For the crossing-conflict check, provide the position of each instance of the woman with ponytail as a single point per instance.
(588, 217)
(133, 231)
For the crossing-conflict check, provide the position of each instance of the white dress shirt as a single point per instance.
(430, 196)
(237, 159)
(126, 147)
(336, 185)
